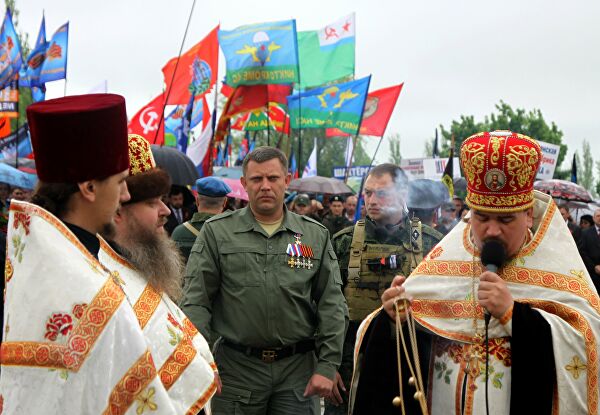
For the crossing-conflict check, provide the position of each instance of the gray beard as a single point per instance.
(156, 257)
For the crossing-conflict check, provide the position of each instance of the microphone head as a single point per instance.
(493, 253)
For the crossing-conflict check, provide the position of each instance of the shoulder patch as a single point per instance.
(428, 230)
(223, 215)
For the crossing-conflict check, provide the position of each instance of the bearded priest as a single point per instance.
(150, 268)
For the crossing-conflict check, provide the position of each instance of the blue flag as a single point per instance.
(30, 72)
(173, 124)
(184, 132)
(10, 51)
(335, 106)
(38, 93)
(262, 53)
(197, 112)
(55, 64)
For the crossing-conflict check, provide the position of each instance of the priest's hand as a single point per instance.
(494, 294)
(390, 295)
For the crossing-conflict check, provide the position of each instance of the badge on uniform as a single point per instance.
(300, 254)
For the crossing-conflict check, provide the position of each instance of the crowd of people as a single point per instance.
(409, 303)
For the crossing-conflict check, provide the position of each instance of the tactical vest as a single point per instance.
(372, 267)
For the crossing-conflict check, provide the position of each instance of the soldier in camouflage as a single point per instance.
(386, 243)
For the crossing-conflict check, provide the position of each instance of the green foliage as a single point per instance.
(586, 173)
(598, 175)
(530, 123)
(395, 154)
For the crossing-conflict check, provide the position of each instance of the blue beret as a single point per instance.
(212, 187)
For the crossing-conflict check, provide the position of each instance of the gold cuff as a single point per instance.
(507, 316)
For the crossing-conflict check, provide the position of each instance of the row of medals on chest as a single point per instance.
(300, 255)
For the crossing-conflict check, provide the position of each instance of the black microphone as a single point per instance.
(493, 256)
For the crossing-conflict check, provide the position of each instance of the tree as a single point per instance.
(598, 174)
(530, 123)
(395, 154)
(586, 178)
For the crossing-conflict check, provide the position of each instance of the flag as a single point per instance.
(435, 153)
(10, 51)
(574, 169)
(327, 55)
(146, 121)
(244, 146)
(337, 106)
(377, 113)
(262, 53)
(55, 63)
(8, 145)
(196, 71)
(293, 166)
(30, 72)
(275, 119)
(38, 93)
(173, 124)
(198, 150)
(349, 156)
(247, 98)
(9, 100)
(448, 175)
(184, 132)
(4, 126)
(311, 166)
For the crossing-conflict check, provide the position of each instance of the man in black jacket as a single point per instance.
(590, 249)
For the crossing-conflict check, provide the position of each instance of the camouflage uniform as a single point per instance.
(385, 252)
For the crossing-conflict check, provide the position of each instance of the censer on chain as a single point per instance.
(401, 305)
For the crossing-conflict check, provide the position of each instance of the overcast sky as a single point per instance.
(455, 57)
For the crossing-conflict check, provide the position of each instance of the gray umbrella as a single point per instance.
(179, 166)
(318, 184)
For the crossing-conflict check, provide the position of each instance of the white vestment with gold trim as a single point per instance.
(181, 354)
(549, 275)
(72, 341)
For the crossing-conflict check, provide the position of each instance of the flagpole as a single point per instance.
(65, 88)
(354, 142)
(17, 132)
(162, 113)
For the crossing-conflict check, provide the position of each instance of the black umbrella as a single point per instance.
(179, 166)
(318, 184)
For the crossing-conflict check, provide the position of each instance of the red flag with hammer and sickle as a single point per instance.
(146, 121)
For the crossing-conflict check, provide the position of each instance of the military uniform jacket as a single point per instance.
(184, 237)
(388, 235)
(240, 284)
(335, 223)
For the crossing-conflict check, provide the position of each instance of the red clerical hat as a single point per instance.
(79, 138)
(500, 168)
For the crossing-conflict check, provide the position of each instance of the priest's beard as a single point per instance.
(155, 256)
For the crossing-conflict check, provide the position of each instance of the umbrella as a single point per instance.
(17, 178)
(180, 167)
(237, 190)
(564, 190)
(318, 184)
(231, 172)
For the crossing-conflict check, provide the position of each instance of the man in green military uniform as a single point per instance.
(211, 200)
(386, 243)
(266, 282)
